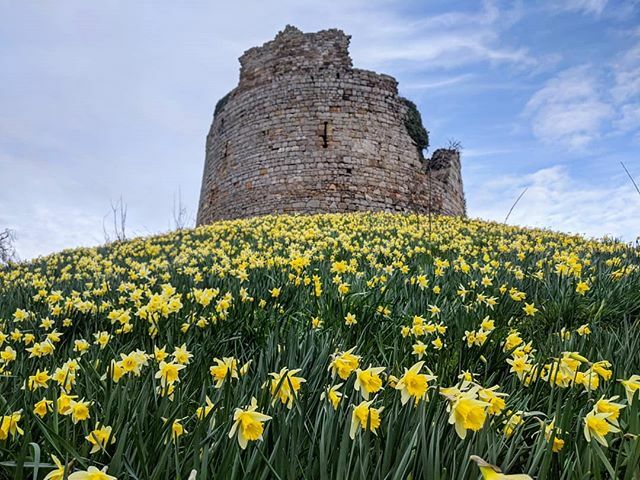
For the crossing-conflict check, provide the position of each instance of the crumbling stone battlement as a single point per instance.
(305, 132)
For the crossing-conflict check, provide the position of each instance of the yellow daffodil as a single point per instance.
(491, 472)
(350, 319)
(368, 381)
(284, 386)
(181, 355)
(413, 384)
(9, 425)
(582, 288)
(605, 405)
(530, 310)
(419, 349)
(514, 420)
(333, 395)
(203, 412)
(494, 398)
(63, 403)
(227, 367)
(632, 387)
(169, 373)
(42, 407)
(39, 380)
(79, 410)
(59, 472)
(92, 473)
(551, 431)
(344, 363)
(598, 426)
(248, 424)
(584, 330)
(468, 412)
(364, 417)
(100, 437)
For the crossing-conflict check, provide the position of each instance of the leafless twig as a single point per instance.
(7, 250)
(180, 214)
(119, 218)
(630, 177)
(515, 203)
(453, 144)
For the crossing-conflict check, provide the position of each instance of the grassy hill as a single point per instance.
(370, 346)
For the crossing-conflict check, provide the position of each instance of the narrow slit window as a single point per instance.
(325, 142)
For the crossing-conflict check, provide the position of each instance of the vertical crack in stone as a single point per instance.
(325, 144)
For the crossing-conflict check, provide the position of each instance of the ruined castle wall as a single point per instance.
(304, 132)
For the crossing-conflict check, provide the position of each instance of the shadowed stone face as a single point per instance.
(305, 132)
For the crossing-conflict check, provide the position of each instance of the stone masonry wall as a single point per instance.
(304, 132)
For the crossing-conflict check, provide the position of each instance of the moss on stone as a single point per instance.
(414, 126)
(221, 104)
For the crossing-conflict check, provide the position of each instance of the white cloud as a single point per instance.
(569, 109)
(446, 40)
(629, 117)
(557, 200)
(434, 84)
(587, 6)
(484, 152)
(585, 103)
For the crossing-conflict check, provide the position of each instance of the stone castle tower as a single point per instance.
(305, 132)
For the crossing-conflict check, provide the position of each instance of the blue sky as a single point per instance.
(102, 99)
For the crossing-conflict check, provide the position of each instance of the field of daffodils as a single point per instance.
(364, 346)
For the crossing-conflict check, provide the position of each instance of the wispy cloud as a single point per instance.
(587, 6)
(439, 83)
(448, 40)
(569, 109)
(484, 152)
(561, 201)
(584, 103)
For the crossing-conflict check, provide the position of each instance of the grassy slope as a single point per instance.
(385, 257)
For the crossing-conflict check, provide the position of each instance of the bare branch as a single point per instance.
(107, 237)
(630, 177)
(119, 220)
(453, 144)
(515, 203)
(180, 213)
(7, 249)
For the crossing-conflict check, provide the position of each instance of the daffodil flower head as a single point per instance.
(551, 431)
(203, 411)
(368, 381)
(468, 412)
(344, 363)
(333, 395)
(169, 373)
(491, 472)
(598, 426)
(414, 384)
(9, 425)
(632, 388)
(92, 473)
(223, 369)
(248, 424)
(59, 472)
(285, 385)
(364, 417)
(100, 437)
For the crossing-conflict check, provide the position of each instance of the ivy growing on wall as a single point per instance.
(414, 126)
(221, 104)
